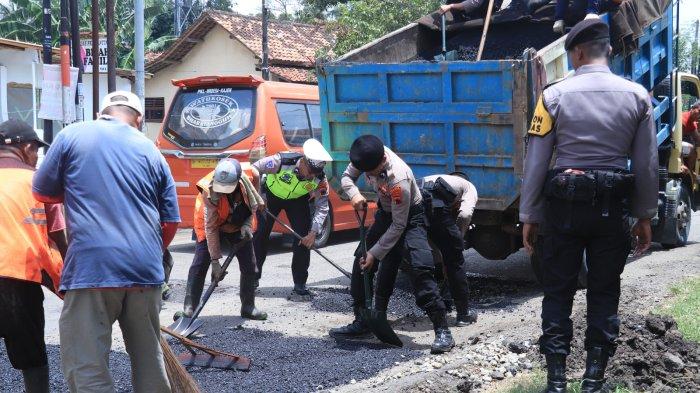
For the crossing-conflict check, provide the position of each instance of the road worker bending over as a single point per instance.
(291, 180)
(224, 210)
(26, 258)
(449, 203)
(398, 233)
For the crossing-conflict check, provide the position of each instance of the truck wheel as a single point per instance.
(326, 229)
(684, 214)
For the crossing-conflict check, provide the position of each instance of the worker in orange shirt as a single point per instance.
(224, 212)
(31, 239)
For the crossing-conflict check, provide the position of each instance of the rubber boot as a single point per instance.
(357, 328)
(594, 377)
(36, 380)
(248, 309)
(556, 373)
(193, 293)
(301, 290)
(466, 317)
(443, 337)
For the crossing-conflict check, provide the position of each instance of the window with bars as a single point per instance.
(155, 109)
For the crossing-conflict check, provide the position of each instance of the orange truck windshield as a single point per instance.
(211, 117)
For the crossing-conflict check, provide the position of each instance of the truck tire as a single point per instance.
(684, 214)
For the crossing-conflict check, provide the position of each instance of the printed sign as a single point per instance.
(210, 111)
(52, 94)
(87, 59)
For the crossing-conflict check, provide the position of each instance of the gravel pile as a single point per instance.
(652, 355)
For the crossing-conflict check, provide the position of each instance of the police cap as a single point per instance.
(585, 31)
(366, 152)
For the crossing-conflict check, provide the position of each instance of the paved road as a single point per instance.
(292, 352)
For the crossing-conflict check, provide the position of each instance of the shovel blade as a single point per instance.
(185, 326)
(378, 324)
(193, 327)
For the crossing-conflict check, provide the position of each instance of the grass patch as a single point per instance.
(536, 381)
(684, 307)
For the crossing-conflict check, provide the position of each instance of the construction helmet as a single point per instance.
(316, 154)
(226, 176)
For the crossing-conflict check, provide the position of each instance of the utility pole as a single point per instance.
(139, 49)
(77, 60)
(111, 51)
(95, 15)
(47, 44)
(65, 61)
(178, 17)
(265, 55)
(694, 53)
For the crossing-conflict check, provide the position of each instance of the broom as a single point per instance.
(180, 380)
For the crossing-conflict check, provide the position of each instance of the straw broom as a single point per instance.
(180, 380)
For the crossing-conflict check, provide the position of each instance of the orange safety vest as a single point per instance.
(223, 207)
(25, 253)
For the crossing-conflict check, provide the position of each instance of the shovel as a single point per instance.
(375, 320)
(185, 326)
(287, 227)
(445, 55)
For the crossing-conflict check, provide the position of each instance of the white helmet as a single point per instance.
(316, 154)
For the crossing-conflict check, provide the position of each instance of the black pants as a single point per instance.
(202, 259)
(445, 234)
(22, 310)
(299, 215)
(568, 230)
(412, 248)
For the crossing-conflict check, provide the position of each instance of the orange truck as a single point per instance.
(246, 118)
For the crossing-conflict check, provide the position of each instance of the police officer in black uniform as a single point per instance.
(596, 121)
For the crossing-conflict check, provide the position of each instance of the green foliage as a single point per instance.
(361, 21)
(315, 10)
(685, 308)
(686, 52)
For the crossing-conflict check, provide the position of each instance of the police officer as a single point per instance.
(449, 202)
(581, 204)
(398, 233)
(224, 210)
(291, 180)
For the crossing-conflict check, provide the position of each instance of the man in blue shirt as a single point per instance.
(122, 212)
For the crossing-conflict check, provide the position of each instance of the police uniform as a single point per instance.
(596, 121)
(398, 235)
(284, 189)
(447, 197)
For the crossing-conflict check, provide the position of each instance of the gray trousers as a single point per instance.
(86, 338)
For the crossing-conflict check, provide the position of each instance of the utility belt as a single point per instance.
(416, 210)
(596, 186)
(437, 194)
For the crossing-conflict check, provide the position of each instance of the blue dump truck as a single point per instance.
(472, 116)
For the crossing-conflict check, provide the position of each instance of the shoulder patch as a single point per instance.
(542, 122)
(396, 195)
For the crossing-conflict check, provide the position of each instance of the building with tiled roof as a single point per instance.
(226, 43)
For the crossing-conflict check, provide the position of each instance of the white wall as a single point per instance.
(218, 54)
(122, 84)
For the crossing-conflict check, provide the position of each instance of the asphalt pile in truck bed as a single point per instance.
(503, 41)
(652, 355)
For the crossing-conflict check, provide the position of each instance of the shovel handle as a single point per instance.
(366, 274)
(287, 227)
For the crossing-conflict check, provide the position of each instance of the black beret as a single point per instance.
(585, 31)
(366, 152)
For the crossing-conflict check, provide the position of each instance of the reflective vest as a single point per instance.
(223, 206)
(25, 253)
(285, 184)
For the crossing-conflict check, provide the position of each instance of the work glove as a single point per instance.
(558, 27)
(591, 16)
(217, 273)
(246, 232)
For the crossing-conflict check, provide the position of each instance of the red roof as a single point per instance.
(292, 46)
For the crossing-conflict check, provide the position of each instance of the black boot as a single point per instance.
(36, 380)
(443, 338)
(556, 373)
(193, 292)
(465, 318)
(301, 290)
(356, 329)
(594, 377)
(248, 309)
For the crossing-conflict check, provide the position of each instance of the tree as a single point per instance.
(361, 21)
(313, 10)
